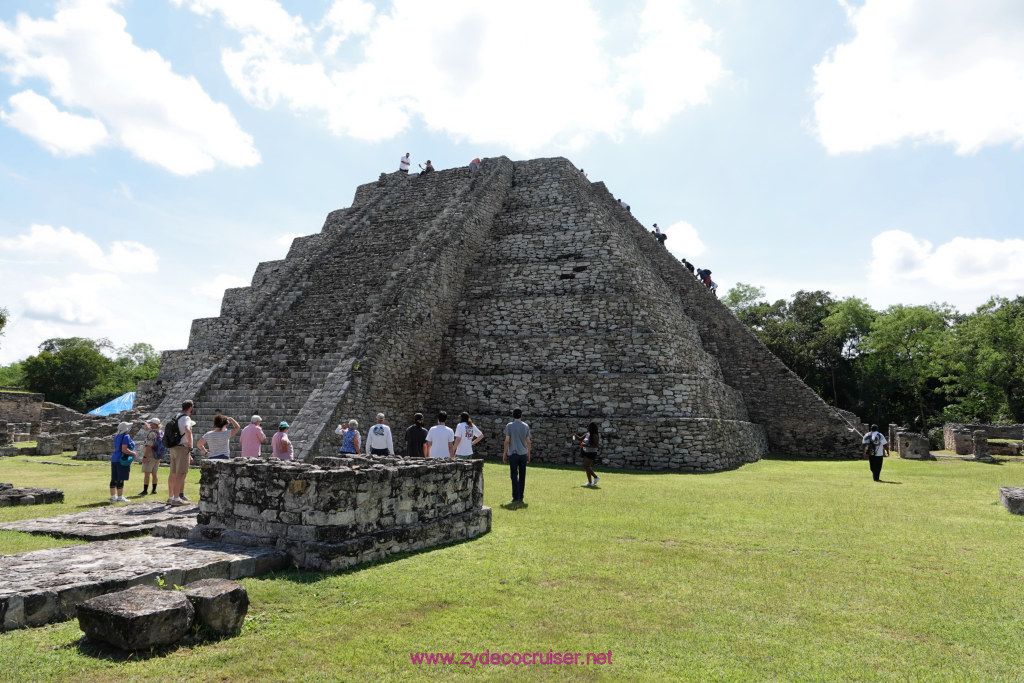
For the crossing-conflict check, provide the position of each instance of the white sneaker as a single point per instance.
(184, 498)
(596, 479)
(122, 499)
(113, 499)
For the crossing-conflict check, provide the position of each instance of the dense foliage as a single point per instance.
(80, 373)
(914, 365)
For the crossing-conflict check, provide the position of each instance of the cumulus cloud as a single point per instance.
(936, 71)
(60, 132)
(214, 289)
(133, 96)
(482, 72)
(75, 279)
(683, 240)
(963, 263)
(45, 245)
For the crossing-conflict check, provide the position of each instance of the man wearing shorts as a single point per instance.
(181, 456)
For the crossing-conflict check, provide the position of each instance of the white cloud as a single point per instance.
(936, 71)
(91, 64)
(214, 289)
(488, 73)
(60, 132)
(286, 239)
(683, 240)
(45, 245)
(78, 287)
(963, 263)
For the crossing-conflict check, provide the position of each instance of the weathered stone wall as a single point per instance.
(959, 437)
(341, 511)
(20, 407)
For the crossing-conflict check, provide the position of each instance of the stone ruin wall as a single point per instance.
(340, 512)
(386, 339)
(959, 437)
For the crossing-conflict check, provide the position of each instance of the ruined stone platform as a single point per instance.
(45, 586)
(28, 495)
(116, 521)
(1012, 498)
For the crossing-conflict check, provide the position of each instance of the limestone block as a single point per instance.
(137, 618)
(49, 445)
(1012, 498)
(913, 446)
(1003, 448)
(220, 604)
(981, 445)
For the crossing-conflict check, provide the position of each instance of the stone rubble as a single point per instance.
(43, 586)
(28, 495)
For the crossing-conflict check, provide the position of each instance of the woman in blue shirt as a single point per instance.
(124, 447)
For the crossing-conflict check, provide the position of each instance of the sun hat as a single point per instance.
(123, 427)
(255, 418)
(283, 424)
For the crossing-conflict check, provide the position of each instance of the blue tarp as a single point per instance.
(120, 403)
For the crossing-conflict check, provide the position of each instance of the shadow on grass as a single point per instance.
(608, 468)
(102, 503)
(810, 458)
(305, 576)
(105, 652)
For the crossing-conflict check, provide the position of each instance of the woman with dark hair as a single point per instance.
(589, 447)
(467, 435)
(215, 444)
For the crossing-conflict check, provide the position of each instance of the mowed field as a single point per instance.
(781, 570)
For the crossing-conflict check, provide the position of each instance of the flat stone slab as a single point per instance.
(28, 495)
(1012, 498)
(109, 522)
(44, 586)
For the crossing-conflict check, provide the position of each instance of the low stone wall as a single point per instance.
(959, 438)
(340, 512)
(20, 407)
(11, 495)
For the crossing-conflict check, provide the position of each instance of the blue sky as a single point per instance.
(152, 152)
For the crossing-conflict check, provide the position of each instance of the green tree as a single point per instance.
(742, 296)
(902, 343)
(65, 370)
(12, 375)
(3, 320)
(983, 363)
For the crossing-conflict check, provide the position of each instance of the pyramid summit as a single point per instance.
(525, 285)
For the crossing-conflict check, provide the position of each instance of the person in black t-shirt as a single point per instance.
(415, 437)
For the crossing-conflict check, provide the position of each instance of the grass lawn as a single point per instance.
(784, 569)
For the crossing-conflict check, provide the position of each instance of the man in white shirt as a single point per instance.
(440, 439)
(876, 447)
(404, 163)
(378, 438)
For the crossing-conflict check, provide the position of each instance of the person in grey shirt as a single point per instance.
(517, 453)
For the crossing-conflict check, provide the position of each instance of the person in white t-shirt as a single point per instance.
(440, 439)
(876, 447)
(467, 435)
(404, 163)
(378, 438)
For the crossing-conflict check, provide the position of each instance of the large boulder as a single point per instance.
(221, 604)
(137, 618)
(1012, 498)
(49, 445)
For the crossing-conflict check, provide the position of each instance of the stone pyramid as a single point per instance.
(525, 286)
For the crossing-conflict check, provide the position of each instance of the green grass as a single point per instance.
(24, 444)
(785, 569)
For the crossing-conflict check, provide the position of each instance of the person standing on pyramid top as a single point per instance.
(403, 164)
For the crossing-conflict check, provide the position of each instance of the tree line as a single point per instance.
(82, 373)
(919, 366)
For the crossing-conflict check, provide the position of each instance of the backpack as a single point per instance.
(158, 448)
(172, 435)
(876, 438)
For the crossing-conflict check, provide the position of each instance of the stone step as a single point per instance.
(623, 395)
(107, 523)
(44, 586)
(578, 354)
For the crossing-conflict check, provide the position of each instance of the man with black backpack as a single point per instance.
(178, 439)
(879, 446)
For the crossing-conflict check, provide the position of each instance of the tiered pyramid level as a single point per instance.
(527, 286)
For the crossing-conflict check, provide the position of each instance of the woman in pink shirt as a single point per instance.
(281, 444)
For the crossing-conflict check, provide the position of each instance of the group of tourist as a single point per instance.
(702, 274)
(405, 163)
(440, 441)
